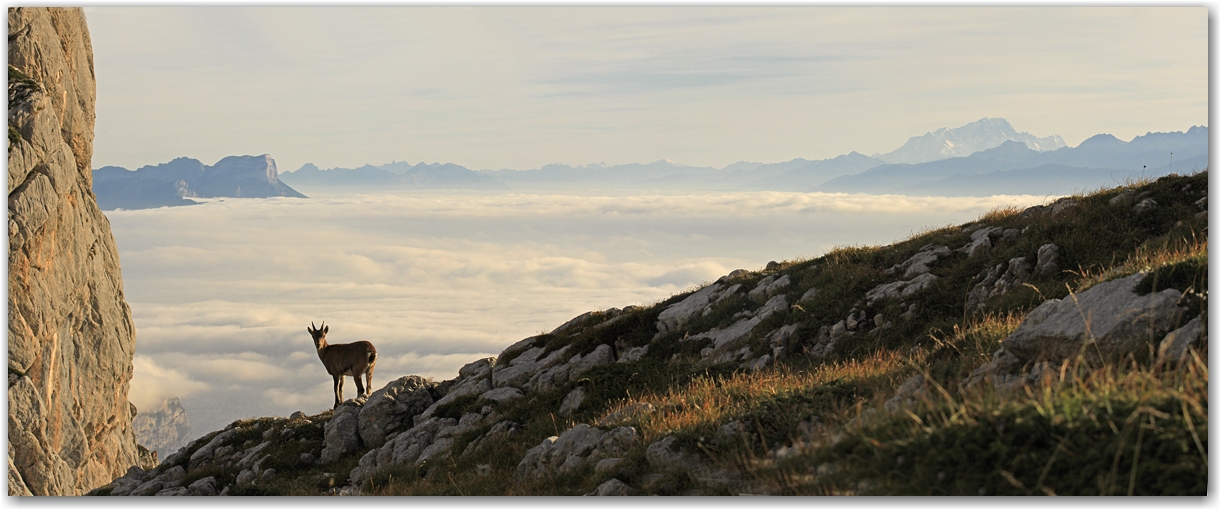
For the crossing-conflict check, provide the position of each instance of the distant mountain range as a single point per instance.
(1013, 168)
(982, 158)
(668, 175)
(171, 184)
(800, 174)
(395, 175)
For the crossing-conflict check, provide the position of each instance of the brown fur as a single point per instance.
(346, 359)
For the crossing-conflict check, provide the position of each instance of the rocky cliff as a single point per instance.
(164, 429)
(168, 184)
(71, 336)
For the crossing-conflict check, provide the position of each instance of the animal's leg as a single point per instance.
(368, 378)
(338, 390)
(359, 386)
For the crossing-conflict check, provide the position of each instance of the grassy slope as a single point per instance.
(1127, 428)
(812, 426)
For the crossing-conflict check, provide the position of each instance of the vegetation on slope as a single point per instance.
(812, 426)
(882, 412)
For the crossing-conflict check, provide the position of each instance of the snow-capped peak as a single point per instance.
(962, 141)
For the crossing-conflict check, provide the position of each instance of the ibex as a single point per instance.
(348, 359)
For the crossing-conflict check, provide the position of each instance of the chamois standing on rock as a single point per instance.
(348, 359)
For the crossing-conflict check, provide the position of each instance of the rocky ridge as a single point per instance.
(396, 175)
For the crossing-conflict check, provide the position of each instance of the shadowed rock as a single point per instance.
(573, 449)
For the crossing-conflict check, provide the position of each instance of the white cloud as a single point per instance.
(284, 401)
(698, 271)
(222, 292)
(151, 384)
(238, 370)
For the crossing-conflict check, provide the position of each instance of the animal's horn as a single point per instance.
(311, 325)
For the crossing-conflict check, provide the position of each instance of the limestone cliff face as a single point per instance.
(71, 336)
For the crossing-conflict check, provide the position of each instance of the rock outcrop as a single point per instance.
(1100, 324)
(342, 432)
(1110, 319)
(579, 446)
(663, 457)
(393, 406)
(252, 460)
(164, 429)
(996, 281)
(71, 336)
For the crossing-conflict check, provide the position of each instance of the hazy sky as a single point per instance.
(496, 87)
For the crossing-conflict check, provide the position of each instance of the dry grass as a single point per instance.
(1146, 258)
(1116, 430)
(999, 214)
(709, 402)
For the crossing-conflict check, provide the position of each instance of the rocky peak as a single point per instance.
(962, 141)
(251, 167)
(181, 168)
(163, 429)
(1103, 141)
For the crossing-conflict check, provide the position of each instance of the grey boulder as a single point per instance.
(612, 488)
(342, 434)
(393, 408)
(1173, 349)
(575, 448)
(664, 458)
(1106, 321)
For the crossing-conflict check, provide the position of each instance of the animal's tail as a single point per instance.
(372, 357)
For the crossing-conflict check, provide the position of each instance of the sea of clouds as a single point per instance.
(222, 292)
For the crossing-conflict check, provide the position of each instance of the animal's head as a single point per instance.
(319, 334)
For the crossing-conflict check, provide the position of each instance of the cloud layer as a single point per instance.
(222, 292)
